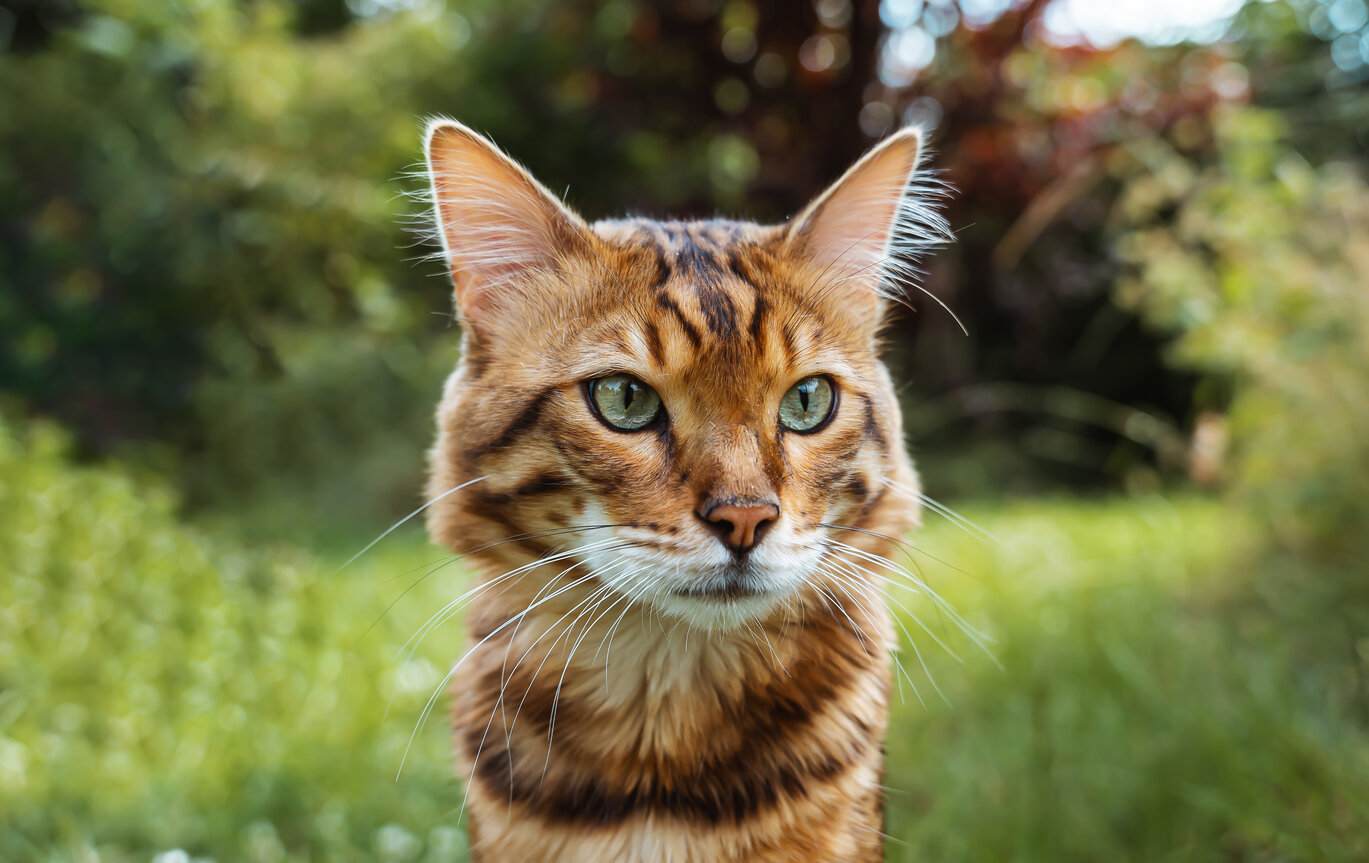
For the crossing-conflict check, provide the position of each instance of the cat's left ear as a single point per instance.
(866, 232)
(499, 226)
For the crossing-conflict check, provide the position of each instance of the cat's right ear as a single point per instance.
(498, 225)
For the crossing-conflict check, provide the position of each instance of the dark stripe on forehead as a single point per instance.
(653, 245)
(718, 310)
(790, 348)
(663, 298)
(653, 343)
(739, 268)
(690, 331)
(695, 262)
(704, 273)
(755, 328)
(759, 307)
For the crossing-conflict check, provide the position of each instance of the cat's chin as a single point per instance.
(719, 610)
(726, 597)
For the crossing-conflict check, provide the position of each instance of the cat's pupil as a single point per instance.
(803, 398)
(628, 394)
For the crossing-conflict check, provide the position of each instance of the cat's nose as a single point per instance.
(740, 525)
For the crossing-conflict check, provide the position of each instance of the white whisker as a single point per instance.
(941, 509)
(447, 679)
(979, 639)
(405, 520)
(908, 636)
(450, 609)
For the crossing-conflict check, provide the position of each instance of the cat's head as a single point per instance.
(686, 412)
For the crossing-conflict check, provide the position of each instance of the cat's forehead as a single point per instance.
(686, 239)
(721, 269)
(714, 298)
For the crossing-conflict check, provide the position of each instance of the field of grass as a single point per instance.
(1162, 695)
(1156, 691)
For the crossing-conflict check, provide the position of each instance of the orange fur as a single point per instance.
(603, 714)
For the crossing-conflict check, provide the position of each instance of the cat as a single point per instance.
(676, 459)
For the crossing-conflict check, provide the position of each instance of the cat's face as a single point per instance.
(685, 413)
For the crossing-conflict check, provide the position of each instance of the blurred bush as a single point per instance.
(1061, 380)
(1259, 261)
(161, 690)
(191, 207)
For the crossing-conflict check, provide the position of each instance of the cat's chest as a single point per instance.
(701, 748)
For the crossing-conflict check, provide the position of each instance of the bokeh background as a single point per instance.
(220, 348)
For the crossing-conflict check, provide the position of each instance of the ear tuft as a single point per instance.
(867, 232)
(498, 225)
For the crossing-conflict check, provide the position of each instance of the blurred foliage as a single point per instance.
(1309, 60)
(160, 689)
(1260, 261)
(1035, 134)
(189, 208)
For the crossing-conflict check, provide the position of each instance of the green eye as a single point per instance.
(808, 405)
(624, 403)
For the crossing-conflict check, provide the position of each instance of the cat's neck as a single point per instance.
(615, 656)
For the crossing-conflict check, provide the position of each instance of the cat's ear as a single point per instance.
(498, 225)
(867, 231)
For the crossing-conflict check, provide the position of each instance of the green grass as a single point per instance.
(162, 689)
(1158, 692)
(1161, 696)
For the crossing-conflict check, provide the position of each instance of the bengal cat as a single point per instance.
(674, 455)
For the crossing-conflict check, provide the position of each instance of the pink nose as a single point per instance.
(741, 526)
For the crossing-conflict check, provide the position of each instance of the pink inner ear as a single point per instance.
(848, 231)
(496, 222)
(491, 255)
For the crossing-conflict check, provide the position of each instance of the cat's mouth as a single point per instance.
(729, 590)
(725, 597)
(734, 582)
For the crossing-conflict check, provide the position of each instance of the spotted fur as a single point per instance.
(607, 711)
